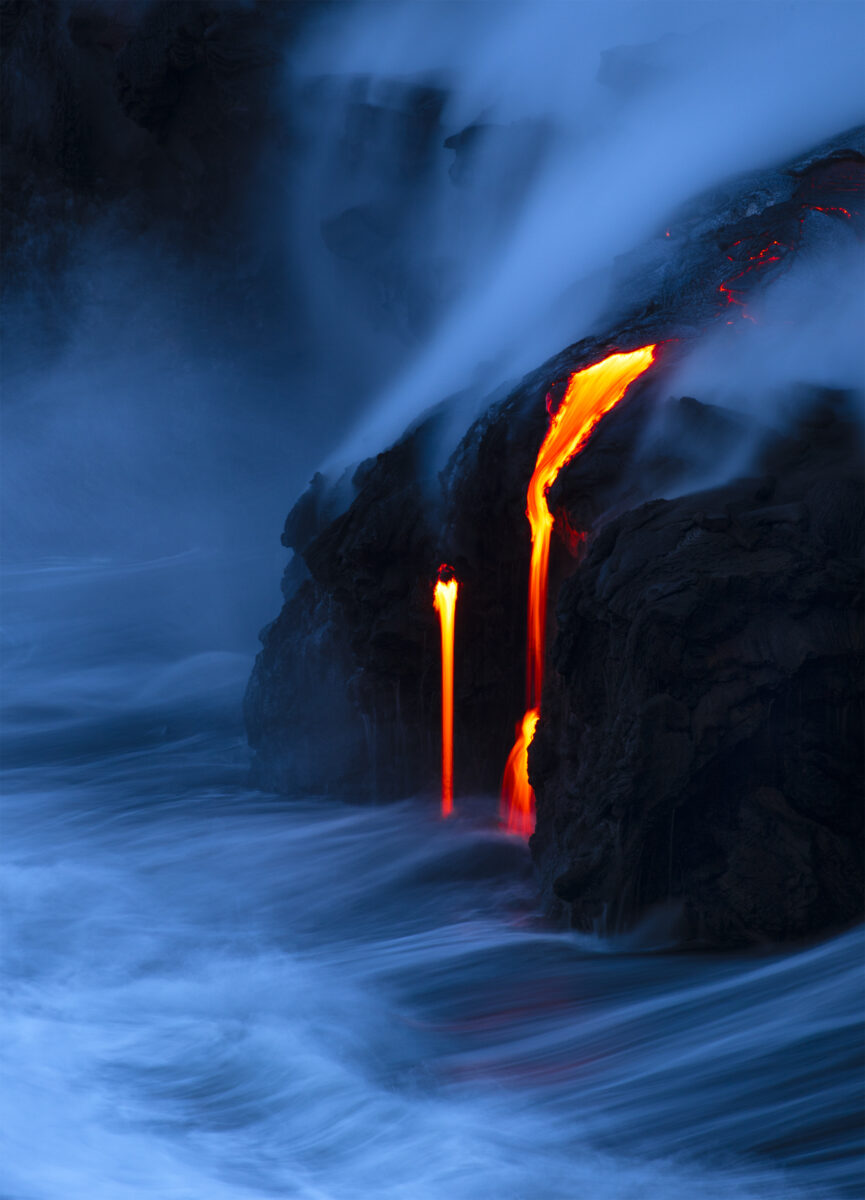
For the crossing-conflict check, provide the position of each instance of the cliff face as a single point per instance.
(701, 733)
(140, 128)
(342, 698)
(700, 742)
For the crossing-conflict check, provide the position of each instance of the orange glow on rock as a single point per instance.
(590, 394)
(445, 604)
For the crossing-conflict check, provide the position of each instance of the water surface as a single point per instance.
(211, 993)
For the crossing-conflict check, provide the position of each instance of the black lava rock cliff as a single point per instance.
(700, 744)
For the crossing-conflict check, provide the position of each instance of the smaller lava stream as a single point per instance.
(590, 394)
(445, 604)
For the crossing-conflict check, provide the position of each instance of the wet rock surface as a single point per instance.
(700, 746)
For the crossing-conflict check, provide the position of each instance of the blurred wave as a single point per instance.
(214, 993)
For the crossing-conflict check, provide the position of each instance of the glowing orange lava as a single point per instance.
(445, 604)
(590, 394)
(517, 793)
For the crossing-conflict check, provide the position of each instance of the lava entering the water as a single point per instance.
(517, 793)
(590, 394)
(445, 604)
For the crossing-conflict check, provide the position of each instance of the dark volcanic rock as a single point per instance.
(341, 696)
(701, 735)
(700, 742)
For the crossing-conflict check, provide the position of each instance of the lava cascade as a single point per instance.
(590, 394)
(445, 604)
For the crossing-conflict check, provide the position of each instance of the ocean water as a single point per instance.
(212, 993)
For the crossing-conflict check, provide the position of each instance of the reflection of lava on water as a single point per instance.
(445, 604)
(590, 394)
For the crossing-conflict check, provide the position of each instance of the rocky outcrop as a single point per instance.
(701, 737)
(699, 745)
(341, 698)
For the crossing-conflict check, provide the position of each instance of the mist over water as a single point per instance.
(210, 992)
(215, 993)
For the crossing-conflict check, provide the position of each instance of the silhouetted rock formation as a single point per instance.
(701, 737)
(342, 697)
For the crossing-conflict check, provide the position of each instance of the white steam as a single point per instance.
(694, 94)
(807, 331)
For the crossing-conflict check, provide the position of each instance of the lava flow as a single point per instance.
(772, 252)
(445, 604)
(590, 394)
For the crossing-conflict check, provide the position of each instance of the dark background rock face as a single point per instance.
(180, 128)
(131, 124)
(342, 697)
(700, 746)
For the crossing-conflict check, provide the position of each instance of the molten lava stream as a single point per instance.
(517, 792)
(445, 604)
(590, 394)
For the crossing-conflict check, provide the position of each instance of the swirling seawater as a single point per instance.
(210, 993)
